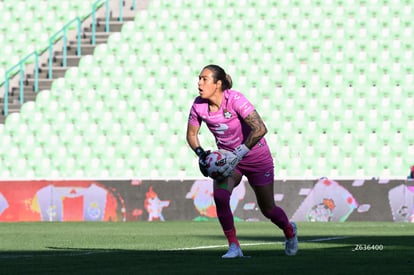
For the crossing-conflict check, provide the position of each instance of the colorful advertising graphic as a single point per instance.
(201, 193)
(323, 200)
(57, 201)
(401, 200)
(327, 201)
(154, 205)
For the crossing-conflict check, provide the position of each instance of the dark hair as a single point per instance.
(220, 74)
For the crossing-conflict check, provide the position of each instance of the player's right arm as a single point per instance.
(192, 136)
(194, 142)
(193, 127)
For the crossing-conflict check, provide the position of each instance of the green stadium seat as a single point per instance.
(43, 99)
(315, 94)
(12, 123)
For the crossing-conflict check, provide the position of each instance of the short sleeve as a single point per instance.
(194, 119)
(242, 105)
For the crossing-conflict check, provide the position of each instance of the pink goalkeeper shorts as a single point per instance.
(257, 166)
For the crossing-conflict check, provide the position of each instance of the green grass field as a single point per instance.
(196, 248)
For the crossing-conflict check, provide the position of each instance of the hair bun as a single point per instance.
(229, 80)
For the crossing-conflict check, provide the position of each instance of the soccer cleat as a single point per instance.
(291, 245)
(234, 252)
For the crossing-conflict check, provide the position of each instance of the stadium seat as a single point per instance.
(324, 85)
(33, 27)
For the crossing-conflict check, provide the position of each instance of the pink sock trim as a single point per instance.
(278, 216)
(231, 236)
(288, 231)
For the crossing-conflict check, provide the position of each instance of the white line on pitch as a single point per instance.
(213, 246)
(327, 239)
(92, 252)
(255, 244)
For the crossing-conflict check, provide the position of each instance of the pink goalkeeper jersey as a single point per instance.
(227, 124)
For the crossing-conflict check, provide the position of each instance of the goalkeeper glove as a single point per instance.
(202, 160)
(234, 158)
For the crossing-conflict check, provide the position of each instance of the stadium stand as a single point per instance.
(333, 83)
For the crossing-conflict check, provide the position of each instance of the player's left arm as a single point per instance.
(258, 129)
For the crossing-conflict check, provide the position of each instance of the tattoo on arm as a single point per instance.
(258, 129)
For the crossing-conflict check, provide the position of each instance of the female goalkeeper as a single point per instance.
(238, 128)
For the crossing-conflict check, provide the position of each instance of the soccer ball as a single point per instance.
(215, 160)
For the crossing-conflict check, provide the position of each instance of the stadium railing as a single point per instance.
(21, 70)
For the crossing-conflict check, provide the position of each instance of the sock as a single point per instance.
(224, 214)
(279, 218)
(231, 236)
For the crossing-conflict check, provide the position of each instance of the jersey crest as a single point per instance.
(227, 114)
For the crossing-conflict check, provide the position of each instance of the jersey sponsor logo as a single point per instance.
(220, 128)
